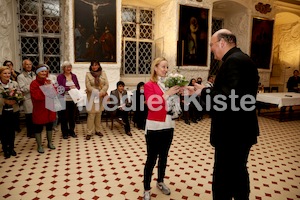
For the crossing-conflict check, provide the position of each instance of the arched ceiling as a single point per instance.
(159, 2)
(297, 2)
(286, 18)
(226, 6)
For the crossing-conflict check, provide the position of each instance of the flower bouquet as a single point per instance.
(175, 79)
(174, 101)
(13, 94)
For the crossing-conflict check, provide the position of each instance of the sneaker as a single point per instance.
(147, 195)
(162, 186)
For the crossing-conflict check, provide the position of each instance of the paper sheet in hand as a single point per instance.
(53, 101)
(55, 104)
(75, 95)
(49, 90)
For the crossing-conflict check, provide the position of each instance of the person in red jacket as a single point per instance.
(159, 125)
(41, 116)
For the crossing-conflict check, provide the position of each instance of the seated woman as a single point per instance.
(140, 114)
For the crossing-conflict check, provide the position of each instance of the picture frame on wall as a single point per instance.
(261, 42)
(192, 43)
(95, 30)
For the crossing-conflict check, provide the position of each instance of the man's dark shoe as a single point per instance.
(72, 134)
(13, 153)
(88, 137)
(128, 133)
(6, 155)
(99, 134)
(194, 121)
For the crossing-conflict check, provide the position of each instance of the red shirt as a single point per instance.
(155, 100)
(40, 114)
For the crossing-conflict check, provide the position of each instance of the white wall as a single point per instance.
(286, 45)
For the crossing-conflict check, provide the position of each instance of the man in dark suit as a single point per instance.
(234, 129)
(120, 94)
(293, 84)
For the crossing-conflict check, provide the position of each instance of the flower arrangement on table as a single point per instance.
(175, 79)
(13, 94)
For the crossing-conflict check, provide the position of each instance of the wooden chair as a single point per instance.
(267, 89)
(109, 116)
(274, 89)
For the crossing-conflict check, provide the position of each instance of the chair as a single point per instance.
(109, 115)
(267, 89)
(274, 89)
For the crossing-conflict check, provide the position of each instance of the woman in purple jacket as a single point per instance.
(67, 117)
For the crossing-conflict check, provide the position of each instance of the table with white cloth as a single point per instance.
(282, 100)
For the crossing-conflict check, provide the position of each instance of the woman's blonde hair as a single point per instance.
(2, 68)
(155, 62)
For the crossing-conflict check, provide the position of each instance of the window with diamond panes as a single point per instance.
(130, 57)
(137, 32)
(145, 57)
(39, 32)
(217, 24)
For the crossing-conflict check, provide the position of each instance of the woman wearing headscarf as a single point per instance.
(41, 116)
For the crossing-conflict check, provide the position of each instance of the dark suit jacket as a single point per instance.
(293, 82)
(116, 93)
(230, 127)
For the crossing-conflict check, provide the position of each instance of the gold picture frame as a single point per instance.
(261, 42)
(95, 30)
(193, 36)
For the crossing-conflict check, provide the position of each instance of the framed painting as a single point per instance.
(261, 42)
(193, 37)
(95, 30)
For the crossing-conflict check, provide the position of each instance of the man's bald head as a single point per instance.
(222, 41)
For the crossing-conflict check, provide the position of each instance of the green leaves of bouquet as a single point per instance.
(175, 79)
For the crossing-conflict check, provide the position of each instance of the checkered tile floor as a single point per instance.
(111, 167)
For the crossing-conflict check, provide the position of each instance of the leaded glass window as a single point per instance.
(137, 43)
(217, 24)
(40, 32)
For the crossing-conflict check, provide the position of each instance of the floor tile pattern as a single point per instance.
(111, 167)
